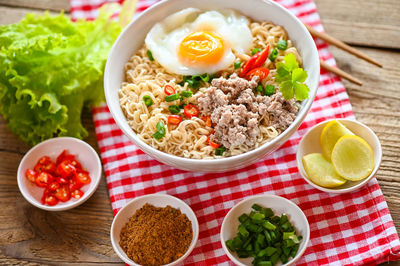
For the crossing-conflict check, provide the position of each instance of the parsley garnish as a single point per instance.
(290, 78)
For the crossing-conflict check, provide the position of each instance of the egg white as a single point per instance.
(164, 38)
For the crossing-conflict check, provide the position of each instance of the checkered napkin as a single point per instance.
(346, 229)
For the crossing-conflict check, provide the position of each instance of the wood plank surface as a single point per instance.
(30, 236)
(362, 22)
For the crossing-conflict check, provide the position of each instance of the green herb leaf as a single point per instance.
(299, 75)
(286, 88)
(150, 55)
(291, 78)
(301, 91)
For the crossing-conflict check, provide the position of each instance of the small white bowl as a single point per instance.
(310, 143)
(157, 200)
(132, 39)
(84, 153)
(279, 205)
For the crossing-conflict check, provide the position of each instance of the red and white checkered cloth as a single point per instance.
(346, 229)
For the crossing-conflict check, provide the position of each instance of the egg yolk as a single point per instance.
(201, 47)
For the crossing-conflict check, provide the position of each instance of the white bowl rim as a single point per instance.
(181, 160)
(340, 190)
(85, 197)
(161, 195)
(266, 196)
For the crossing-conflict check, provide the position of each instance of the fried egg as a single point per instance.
(192, 42)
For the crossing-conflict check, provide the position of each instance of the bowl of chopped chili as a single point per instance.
(59, 174)
(155, 229)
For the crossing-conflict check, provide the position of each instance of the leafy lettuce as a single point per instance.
(50, 69)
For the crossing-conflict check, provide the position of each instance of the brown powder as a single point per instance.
(156, 236)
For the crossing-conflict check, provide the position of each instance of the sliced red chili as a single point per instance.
(248, 65)
(60, 157)
(207, 119)
(190, 110)
(31, 175)
(261, 58)
(62, 180)
(65, 169)
(174, 119)
(74, 184)
(212, 143)
(261, 72)
(50, 200)
(63, 193)
(77, 193)
(44, 179)
(169, 90)
(83, 177)
(44, 160)
(53, 185)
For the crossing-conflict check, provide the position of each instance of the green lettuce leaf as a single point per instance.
(50, 69)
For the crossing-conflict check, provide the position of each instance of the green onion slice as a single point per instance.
(282, 45)
(150, 55)
(172, 97)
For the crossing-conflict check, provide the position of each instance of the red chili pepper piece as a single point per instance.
(169, 90)
(174, 119)
(261, 72)
(31, 175)
(44, 179)
(63, 193)
(77, 194)
(212, 143)
(261, 58)
(83, 177)
(207, 119)
(249, 65)
(190, 110)
(50, 200)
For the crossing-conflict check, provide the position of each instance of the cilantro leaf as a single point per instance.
(291, 62)
(299, 75)
(291, 78)
(300, 91)
(286, 88)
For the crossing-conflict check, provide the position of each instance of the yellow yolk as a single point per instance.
(201, 47)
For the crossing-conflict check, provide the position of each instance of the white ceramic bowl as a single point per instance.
(310, 143)
(85, 154)
(132, 38)
(279, 205)
(158, 200)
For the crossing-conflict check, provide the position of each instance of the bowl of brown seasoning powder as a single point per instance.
(155, 229)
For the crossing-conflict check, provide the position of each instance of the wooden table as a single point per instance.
(29, 235)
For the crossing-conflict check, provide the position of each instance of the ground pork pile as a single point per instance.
(236, 111)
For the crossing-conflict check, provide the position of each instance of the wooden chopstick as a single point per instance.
(341, 45)
(340, 72)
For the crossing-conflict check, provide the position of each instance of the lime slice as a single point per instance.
(352, 158)
(320, 171)
(333, 131)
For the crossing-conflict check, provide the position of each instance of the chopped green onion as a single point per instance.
(147, 100)
(187, 94)
(273, 55)
(182, 106)
(259, 88)
(255, 50)
(160, 130)
(220, 151)
(237, 64)
(172, 97)
(268, 225)
(286, 235)
(256, 207)
(174, 109)
(269, 90)
(282, 45)
(242, 230)
(150, 55)
(261, 236)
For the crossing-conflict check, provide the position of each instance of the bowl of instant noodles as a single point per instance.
(211, 85)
